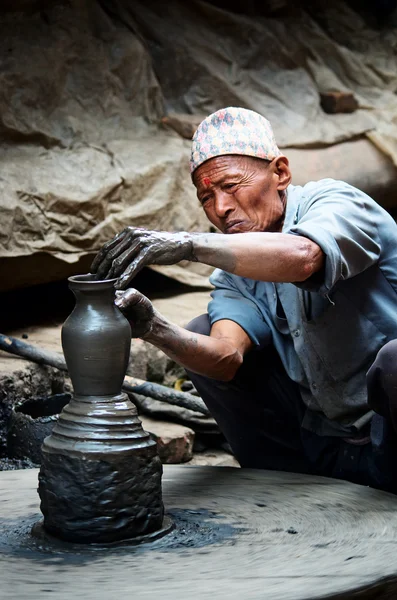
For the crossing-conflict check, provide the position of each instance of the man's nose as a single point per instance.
(224, 204)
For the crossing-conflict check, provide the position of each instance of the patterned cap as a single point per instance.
(233, 130)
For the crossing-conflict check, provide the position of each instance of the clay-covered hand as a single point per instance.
(137, 309)
(134, 248)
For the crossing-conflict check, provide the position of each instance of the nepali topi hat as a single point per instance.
(233, 130)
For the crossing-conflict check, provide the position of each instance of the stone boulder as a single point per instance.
(174, 442)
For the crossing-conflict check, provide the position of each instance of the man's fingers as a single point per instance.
(127, 299)
(120, 263)
(137, 309)
(133, 304)
(105, 268)
(137, 265)
(105, 249)
(131, 250)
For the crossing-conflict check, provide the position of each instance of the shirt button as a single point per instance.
(314, 387)
(297, 333)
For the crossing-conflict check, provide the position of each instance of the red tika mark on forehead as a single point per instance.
(207, 181)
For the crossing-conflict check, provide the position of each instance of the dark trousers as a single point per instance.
(260, 414)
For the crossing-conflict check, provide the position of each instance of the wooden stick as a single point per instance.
(130, 385)
(32, 353)
(164, 394)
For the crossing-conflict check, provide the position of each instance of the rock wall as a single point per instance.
(85, 84)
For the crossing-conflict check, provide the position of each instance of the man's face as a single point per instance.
(241, 194)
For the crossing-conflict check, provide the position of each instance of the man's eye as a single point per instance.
(229, 186)
(205, 199)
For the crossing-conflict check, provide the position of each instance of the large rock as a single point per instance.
(183, 124)
(345, 161)
(214, 458)
(147, 362)
(338, 102)
(85, 84)
(69, 185)
(139, 358)
(174, 442)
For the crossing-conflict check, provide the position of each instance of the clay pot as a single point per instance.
(100, 476)
(30, 423)
(96, 338)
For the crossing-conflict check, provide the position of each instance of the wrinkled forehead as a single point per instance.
(217, 169)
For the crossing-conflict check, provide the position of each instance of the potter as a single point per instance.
(297, 356)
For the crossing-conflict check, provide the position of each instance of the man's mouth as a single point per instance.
(233, 226)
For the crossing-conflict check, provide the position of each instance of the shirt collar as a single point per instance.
(292, 207)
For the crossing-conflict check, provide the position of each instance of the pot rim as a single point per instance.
(88, 281)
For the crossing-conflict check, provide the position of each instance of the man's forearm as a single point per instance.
(201, 354)
(276, 257)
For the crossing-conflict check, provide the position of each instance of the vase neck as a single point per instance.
(95, 298)
(90, 292)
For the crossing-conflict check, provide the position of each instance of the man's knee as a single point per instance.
(385, 362)
(382, 379)
(200, 324)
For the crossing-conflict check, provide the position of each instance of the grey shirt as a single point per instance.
(328, 329)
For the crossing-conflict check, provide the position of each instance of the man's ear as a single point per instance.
(283, 172)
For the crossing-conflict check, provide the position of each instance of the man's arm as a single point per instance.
(276, 257)
(218, 356)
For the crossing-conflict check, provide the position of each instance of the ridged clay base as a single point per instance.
(100, 476)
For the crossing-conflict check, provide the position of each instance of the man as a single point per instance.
(305, 298)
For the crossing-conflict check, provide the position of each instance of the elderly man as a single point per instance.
(304, 303)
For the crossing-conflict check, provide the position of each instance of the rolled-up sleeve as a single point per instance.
(229, 302)
(342, 221)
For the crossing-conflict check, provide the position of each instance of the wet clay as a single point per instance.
(100, 476)
(96, 339)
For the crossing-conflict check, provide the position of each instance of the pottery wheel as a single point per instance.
(239, 534)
